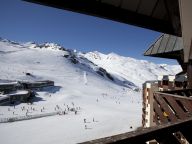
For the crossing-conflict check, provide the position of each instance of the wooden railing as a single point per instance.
(170, 108)
(164, 134)
(173, 118)
(183, 92)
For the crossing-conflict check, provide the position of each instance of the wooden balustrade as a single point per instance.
(170, 108)
(173, 118)
(164, 134)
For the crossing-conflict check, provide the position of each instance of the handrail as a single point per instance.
(173, 95)
(178, 119)
(147, 134)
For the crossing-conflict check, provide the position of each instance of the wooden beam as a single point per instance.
(185, 8)
(187, 104)
(172, 7)
(167, 138)
(144, 135)
(99, 9)
(174, 95)
(189, 74)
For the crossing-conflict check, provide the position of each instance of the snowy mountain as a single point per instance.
(136, 71)
(104, 88)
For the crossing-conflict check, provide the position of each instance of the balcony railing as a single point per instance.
(173, 118)
(171, 107)
(164, 134)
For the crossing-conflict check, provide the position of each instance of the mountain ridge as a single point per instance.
(112, 66)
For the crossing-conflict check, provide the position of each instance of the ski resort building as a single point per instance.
(16, 96)
(7, 87)
(168, 108)
(20, 91)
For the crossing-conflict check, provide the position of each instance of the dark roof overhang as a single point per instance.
(166, 46)
(158, 15)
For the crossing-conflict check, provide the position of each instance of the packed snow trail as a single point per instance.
(85, 77)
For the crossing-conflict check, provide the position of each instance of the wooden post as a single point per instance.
(189, 74)
(185, 8)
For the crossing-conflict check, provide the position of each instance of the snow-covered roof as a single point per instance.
(18, 92)
(8, 83)
(32, 82)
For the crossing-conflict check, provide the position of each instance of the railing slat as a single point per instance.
(180, 113)
(187, 104)
(158, 111)
(190, 92)
(165, 107)
(155, 119)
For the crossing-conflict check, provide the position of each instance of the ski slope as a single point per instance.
(105, 106)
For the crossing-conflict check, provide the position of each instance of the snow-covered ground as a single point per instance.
(105, 99)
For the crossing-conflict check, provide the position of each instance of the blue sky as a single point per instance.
(23, 22)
